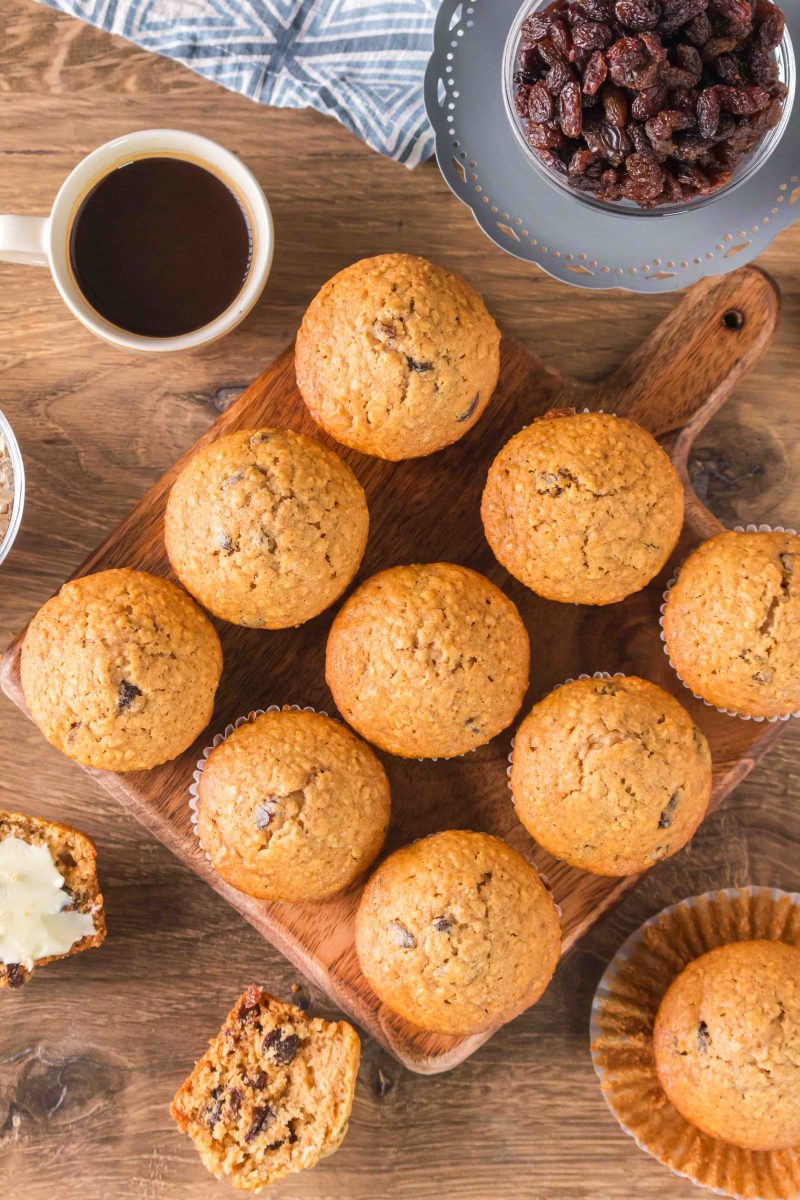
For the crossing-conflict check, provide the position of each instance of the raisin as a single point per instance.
(743, 102)
(419, 367)
(127, 694)
(698, 30)
(717, 46)
(15, 974)
(762, 66)
(284, 1049)
(665, 820)
(560, 36)
(234, 1101)
(542, 137)
(770, 30)
(470, 409)
(558, 77)
(256, 1080)
(251, 1003)
(214, 1110)
(649, 101)
(534, 28)
(443, 924)
(615, 104)
(264, 813)
(570, 111)
(594, 73)
(592, 35)
(550, 52)
(708, 112)
(262, 1114)
(679, 12)
(703, 1037)
(401, 936)
(734, 10)
(540, 104)
(638, 14)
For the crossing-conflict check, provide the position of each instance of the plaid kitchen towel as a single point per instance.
(361, 61)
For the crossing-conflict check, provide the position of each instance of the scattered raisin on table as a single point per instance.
(654, 101)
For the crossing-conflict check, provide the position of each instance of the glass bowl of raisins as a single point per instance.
(651, 105)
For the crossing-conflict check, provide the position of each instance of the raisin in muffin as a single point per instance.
(428, 661)
(120, 670)
(292, 806)
(584, 508)
(610, 775)
(397, 357)
(266, 527)
(50, 904)
(457, 933)
(273, 1093)
(732, 623)
(727, 1044)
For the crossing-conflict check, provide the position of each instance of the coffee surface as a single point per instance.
(160, 247)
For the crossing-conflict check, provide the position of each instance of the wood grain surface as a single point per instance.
(718, 331)
(92, 1050)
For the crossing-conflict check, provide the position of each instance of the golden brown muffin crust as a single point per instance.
(120, 670)
(732, 623)
(397, 357)
(610, 775)
(428, 661)
(292, 806)
(727, 1044)
(584, 508)
(266, 527)
(273, 1093)
(457, 933)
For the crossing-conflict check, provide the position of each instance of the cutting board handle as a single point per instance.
(681, 375)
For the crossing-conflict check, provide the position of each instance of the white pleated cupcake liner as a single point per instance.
(729, 712)
(221, 737)
(623, 1011)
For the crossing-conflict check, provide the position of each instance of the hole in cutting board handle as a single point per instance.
(734, 319)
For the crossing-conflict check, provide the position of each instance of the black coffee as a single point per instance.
(160, 247)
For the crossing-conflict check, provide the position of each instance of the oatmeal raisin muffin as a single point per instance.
(292, 806)
(727, 1044)
(428, 661)
(610, 775)
(50, 903)
(120, 670)
(266, 527)
(457, 933)
(732, 623)
(272, 1095)
(584, 508)
(397, 357)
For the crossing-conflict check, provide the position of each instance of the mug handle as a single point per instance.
(24, 240)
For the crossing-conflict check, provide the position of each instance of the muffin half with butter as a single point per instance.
(266, 527)
(50, 903)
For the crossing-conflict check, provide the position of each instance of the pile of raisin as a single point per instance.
(654, 101)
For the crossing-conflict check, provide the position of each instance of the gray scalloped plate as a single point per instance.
(485, 162)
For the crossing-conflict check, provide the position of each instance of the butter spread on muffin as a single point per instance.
(584, 508)
(397, 357)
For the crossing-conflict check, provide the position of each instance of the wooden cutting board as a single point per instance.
(428, 510)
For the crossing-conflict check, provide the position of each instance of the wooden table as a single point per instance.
(92, 1050)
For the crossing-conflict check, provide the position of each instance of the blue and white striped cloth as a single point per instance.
(361, 61)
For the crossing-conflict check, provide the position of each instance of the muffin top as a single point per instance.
(583, 507)
(727, 1044)
(292, 806)
(120, 669)
(397, 357)
(732, 623)
(457, 933)
(266, 527)
(610, 775)
(428, 661)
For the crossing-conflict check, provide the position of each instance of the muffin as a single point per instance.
(732, 623)
(610, 775)
(428, 661)
(120, 670)
(584, 508)
(457, 933)
(266, 527)
(727, 1044)
(292, 806)
(397, 357)
(272, 1095)
(50, 904)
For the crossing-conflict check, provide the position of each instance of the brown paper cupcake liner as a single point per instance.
(730, 712)
(623, 1015)
(220, 737)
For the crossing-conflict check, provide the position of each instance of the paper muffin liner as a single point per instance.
(730, 712)
(621, 1034)
(219, 738)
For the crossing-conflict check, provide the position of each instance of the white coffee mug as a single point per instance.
(44, 241)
